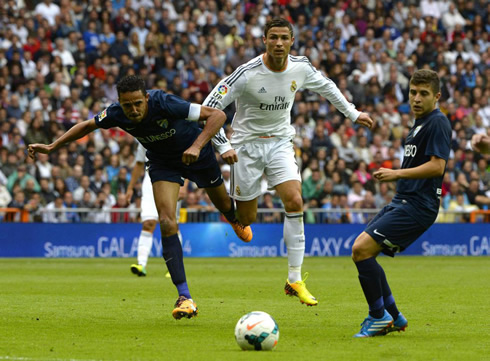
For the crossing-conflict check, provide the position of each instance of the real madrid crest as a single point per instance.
(237, 190)
(294, 86)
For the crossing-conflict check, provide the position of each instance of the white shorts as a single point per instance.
(272, 157)
(148, 207)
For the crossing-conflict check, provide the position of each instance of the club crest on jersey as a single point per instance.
(294, 86)
(416, 130)
(237, 190)
(163, 123)
(222, 89)
(103, 114)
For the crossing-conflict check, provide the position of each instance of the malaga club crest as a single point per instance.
(163, 123)
(294, 86)
(222, 89)
(416, 130)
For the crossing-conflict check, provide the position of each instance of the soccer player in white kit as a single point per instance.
(264, 90)
(149, 213)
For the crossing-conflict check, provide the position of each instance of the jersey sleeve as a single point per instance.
(317, 82)
(221, 143)
(439, 141)
(107, 118)
(140, 155)
(227, 90)
(174, 106)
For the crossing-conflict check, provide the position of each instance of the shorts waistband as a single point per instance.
(266, 136)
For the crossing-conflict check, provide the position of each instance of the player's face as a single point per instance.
(134, 105)
(422, 99)
(278, 42)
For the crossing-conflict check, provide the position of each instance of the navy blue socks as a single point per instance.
(370, 279)
(172, 253)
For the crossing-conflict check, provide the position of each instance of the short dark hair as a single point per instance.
(426, 76)
(278, 23)
(131, 83)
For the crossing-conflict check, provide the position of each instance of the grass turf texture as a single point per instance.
(95, 309)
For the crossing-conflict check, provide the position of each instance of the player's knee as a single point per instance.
(294, 203)
(149, 225)
(168, 225)
(359, 252)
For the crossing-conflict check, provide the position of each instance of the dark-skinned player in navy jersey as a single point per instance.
(413, 209)
(177, 149)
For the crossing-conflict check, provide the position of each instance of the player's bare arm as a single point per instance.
(433, 168)
(76, 132)
(136, 173)
(215, 119)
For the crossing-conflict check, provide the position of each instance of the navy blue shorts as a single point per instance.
(394, 228)
(205, 172)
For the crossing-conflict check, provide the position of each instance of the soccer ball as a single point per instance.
(257, 331)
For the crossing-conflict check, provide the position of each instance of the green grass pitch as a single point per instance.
(95, 309)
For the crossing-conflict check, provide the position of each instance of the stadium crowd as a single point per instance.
(60, 61)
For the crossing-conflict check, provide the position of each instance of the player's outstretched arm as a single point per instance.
(481, 143)
(433, 168)
(76, 132)
(215, 119)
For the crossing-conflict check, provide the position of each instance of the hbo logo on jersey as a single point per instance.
(410, 150)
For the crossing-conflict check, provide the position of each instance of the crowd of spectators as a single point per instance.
(60, 61)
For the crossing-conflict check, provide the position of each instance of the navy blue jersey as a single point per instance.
(430, 136)
(165, 132)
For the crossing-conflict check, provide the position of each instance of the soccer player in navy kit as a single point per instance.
(413, 209)
(176, 149)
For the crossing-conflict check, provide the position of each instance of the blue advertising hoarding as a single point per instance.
(219, 240)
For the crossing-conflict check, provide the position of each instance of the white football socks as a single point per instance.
(144, 247)
(294, 238)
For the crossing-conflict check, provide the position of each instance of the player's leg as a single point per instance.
(166, 194)
(220, 198)
(294, 238)
(364, 253)
(210, 178)
(283, 174)
(149, 217)
(145, 242)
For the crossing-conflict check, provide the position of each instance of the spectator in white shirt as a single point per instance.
(451, 18)
(48, 10)
(66, 57)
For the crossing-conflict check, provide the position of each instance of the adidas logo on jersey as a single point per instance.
(262, 90)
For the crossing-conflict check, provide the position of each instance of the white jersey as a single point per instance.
(264, 98)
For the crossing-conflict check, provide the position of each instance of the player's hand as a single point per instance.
(365, 119)
(190, 155)
(32, 149)
(129, 195)
(385, 175)
(230, 157)
(481, 143)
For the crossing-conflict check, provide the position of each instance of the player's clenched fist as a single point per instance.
(32, 149)
(365, 119)
(191, 155)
